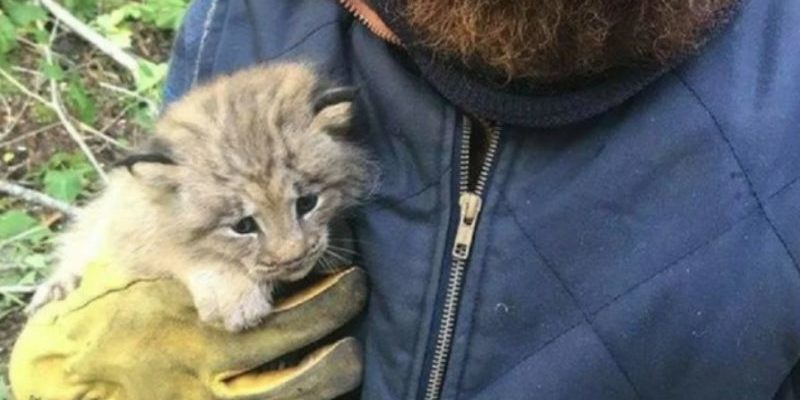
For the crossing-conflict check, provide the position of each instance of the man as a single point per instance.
(580, 200)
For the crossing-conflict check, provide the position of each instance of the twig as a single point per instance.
(51, 106)
(33, 196)
(72, 131)
(9, 119)
(101, 134)
(26, 135)
(18, 118)
(150, 103)
(28, 71)
(58, 107)
(101, 43)
(23, 89)
(17, 289)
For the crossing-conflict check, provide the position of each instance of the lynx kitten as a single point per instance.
(234, 193)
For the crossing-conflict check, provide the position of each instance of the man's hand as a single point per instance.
(116, 338)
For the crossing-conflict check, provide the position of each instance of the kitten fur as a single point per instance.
(245, 145)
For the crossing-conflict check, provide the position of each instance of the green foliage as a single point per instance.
(63, 185)
(80, 102)
(162, 14)
(62, 160)
(115, 25)
(83, 9)
(16, 17)
(23, 14)
(42, 114)
(51, 70)
(65, 176)
(149, 75)
(8, 40)
(15, 222)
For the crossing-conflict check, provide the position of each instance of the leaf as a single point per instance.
(14, 222)
(62, 160)
(41, 36)
(51, 70)
(84, 9)
(144, 118)
(64, 185)
(149, 75)
(23, 14)
(8, 40)
(114, 25)
(36, 261)
(78, 100)
(28, 279)
(37, 236)
(164, 14)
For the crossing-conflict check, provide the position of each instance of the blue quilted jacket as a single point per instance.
(645, 246)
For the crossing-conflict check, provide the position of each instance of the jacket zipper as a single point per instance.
(370, 19)
(470, 201)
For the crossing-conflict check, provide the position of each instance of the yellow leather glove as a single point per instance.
(116, 338)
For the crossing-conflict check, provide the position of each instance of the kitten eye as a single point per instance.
(245, 226)
(305, 204)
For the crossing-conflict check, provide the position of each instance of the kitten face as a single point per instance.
(273, 234)
(258, 167)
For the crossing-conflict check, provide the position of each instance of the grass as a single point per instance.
(109, 107)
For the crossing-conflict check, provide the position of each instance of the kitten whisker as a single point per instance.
(342, 249)
(337, 256)
(326, 265)
(346, 240)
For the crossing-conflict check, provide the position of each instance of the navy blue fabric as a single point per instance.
(649, 252)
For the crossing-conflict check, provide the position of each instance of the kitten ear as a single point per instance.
(153, 164)
(333, 109)
(154, 169)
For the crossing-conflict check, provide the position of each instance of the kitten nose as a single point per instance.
(285, 251)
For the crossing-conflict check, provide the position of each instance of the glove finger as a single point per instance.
(298, 321)
(328, 372)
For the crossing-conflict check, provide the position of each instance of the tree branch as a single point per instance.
(35, 197)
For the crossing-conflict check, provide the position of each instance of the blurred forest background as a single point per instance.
(80, 81)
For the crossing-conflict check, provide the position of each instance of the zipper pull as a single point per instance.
(470, 205)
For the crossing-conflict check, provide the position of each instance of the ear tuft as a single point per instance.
(333, 110)
(334, 96)
(153, 169)
(133, 159)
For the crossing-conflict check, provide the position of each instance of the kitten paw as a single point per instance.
(230, 301)
(54, 289)
(248, 313)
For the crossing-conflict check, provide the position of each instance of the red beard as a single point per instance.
(549, 41)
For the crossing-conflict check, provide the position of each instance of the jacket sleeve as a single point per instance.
(192, 49)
